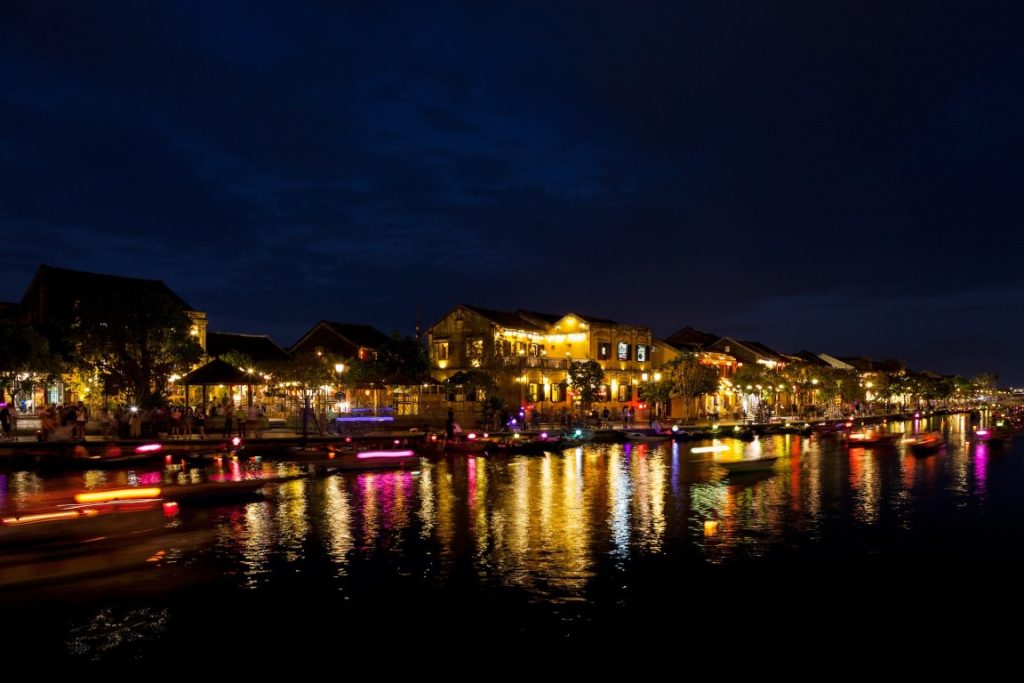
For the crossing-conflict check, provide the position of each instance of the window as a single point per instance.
(521, 348)
(623, 351)
(506, 348)
(625, 393)
(604, 350)
(534, 350)
(641, 353)
(558, 392)
(602, 392)
(534, 392)
(441, 350)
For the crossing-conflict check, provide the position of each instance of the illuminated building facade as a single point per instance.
(528, 354)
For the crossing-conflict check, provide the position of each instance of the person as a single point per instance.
(5, 422)
(199, 420)
(81, 416)
(449, 425)
(606, 413)
(135, 424)
(228, 427)
(656, 426)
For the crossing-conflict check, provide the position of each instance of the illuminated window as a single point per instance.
(623, 351)
(602, 392)
(558, 392)
(535, 392)
(625, 392)
(641, 353)
(521, 348)
(474, 348)
(604, 350)
(441, 350)
(534, 350)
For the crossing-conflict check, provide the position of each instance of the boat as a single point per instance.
(644, 437)
(358, 460)
(924, 443)
(992, 435)
(577, 435)
(869, 437)
(744, 466)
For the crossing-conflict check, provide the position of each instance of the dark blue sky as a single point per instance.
(839, 176)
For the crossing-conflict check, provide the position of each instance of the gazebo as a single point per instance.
(216, 373)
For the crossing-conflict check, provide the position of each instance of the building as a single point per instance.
(341, 340)
(54, 298)
(528, 353)
(258, 348)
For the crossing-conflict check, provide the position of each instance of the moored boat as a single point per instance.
(871, 438)
(645, 437)
(754, 465)
(924, 443)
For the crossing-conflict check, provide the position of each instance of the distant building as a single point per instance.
(341, 340)
(749, 352)
(258, 347)
(50, 301)
(529, 353)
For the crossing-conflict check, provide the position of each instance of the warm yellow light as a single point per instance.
(117, 494)
(442, 364)
(339, 367)
(710, 527)
(643, 376)
(46, 517)
(657, 377)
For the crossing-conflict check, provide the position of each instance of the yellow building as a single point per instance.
(528, 354)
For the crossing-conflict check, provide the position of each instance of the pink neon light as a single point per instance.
(236, 441)
(384, 454)
(148, 448)
(471, 437)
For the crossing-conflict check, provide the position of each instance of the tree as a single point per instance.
(399, 355)
(135, 338)
(26, 357)
(586, 378)
(690, 379)
(475, 382)
(305, 372)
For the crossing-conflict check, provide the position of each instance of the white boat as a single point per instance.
(755, 465)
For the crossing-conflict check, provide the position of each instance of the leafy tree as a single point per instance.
(305, 373)
(24, 352)
(239, 360)
(689, 378)
(586, 378)
(397, 356)
(476, 382)
(135, 338)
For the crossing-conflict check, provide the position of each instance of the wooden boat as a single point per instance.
(358, 460)
(924, 443)
(755, 465)
(871, 438)
(991, 435)
(644, 437)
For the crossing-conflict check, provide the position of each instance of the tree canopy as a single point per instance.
(135, 339)
(586, 378)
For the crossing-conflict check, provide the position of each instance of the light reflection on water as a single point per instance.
(551, 525)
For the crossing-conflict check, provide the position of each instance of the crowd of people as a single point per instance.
(69, 423)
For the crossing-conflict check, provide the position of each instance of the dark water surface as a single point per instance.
(592, 545)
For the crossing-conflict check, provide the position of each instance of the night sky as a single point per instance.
(837, 176)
